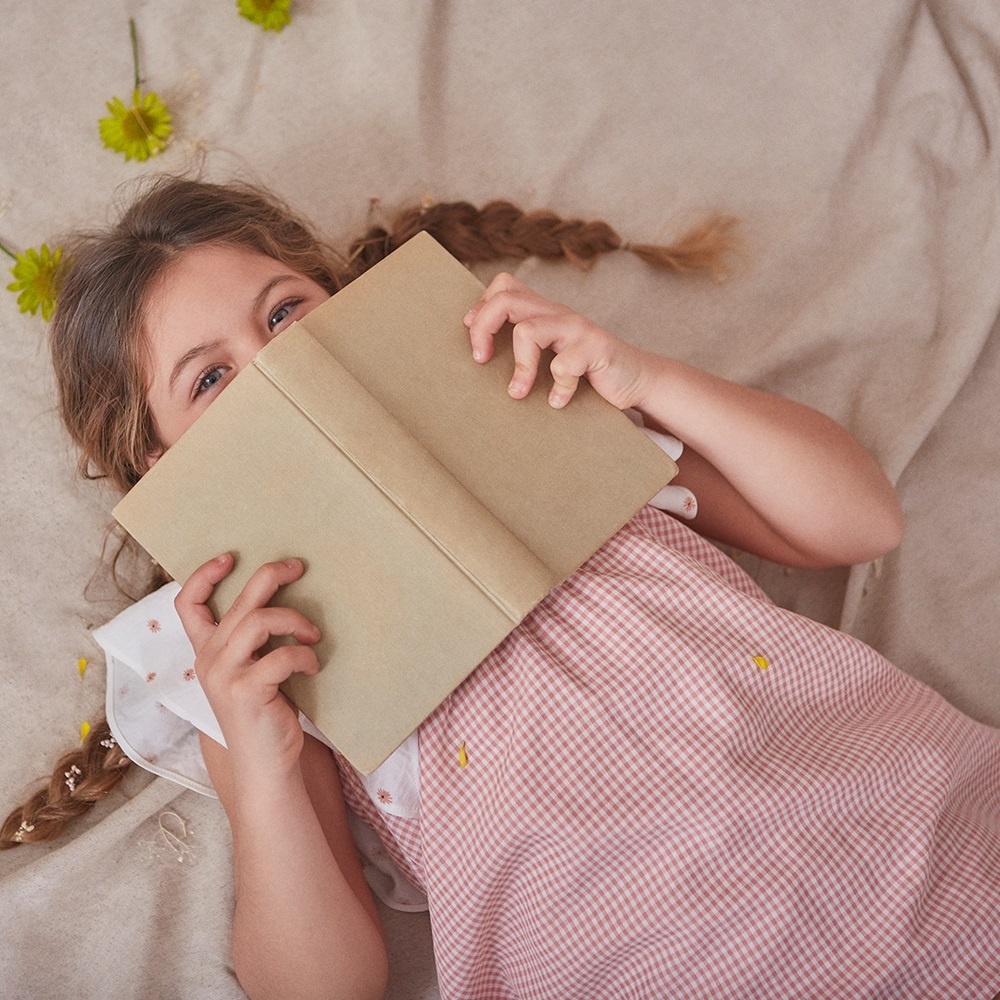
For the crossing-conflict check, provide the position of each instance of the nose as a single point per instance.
(250, 346)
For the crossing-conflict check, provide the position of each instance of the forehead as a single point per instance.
(222, 274)
(204, 290)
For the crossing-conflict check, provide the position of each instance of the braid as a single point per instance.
(500, 229)
(79, 779)
(177, 214)
(704, 247)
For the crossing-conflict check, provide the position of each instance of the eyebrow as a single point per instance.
(266, 290)
(197, 351)
(188, 357)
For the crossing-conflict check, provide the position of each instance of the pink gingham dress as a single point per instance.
(662, 785)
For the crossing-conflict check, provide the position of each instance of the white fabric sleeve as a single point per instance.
(155, 707)
(678, 500)
(152, 685)
(154, 700)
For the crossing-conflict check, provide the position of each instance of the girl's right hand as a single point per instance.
(260, 725)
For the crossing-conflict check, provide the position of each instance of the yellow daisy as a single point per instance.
(37, 279)
(142, 130)
(139, 131)
(271, 15)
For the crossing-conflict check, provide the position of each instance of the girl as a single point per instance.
(659, 784)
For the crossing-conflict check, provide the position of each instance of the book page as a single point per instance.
(431, 509)
(563, 481)
(480, 546)
(402, 622)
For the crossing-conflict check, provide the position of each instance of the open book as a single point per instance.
(432, 511)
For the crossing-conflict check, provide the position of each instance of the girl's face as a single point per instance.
(207, 318)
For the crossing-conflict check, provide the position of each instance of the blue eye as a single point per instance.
(208, 379)
(281, 313)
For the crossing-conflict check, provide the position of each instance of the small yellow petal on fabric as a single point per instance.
(36, 278)
(463, 756)
(271, 15)
(84, 730)
(81, 665)
(760, 661)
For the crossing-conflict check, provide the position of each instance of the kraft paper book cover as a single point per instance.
(432, 511)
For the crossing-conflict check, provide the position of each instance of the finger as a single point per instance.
(541, 333)
(581, 349)
(527, 356)
(565, 379)
(191, 600)
(505, 300)
(481, 334)
(258, 682)
(503, 282)
(279, 664)
(265, 582)
(513, 305)
(259, 625)
(481, 341)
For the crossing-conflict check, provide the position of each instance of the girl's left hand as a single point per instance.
(582, 348)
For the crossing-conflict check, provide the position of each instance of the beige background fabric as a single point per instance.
(857, 144)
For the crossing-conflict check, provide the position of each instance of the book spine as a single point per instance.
(380, 448)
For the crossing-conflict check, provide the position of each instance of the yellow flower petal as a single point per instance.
(271, 15)
(36, 274)
(81, 665)
(84, 730)
(463, 757)
(760, 661)
(138, 131)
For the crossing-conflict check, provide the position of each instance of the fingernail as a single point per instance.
(292, 563)
(222, 558)
(558, 401)
(477, 355)
(516, 387)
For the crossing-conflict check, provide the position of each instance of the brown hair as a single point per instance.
(96, 336)
(98, 347)
(80, 778)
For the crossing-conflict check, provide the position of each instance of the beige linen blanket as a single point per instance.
(857, 144)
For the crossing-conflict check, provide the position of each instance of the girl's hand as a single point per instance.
(772, 477)
(614, 368)
(260, 725)
(305, 924)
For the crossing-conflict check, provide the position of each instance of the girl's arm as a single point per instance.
(772, 476)
(305, 923)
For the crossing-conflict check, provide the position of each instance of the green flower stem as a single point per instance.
(9, 253)
(135, 50)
